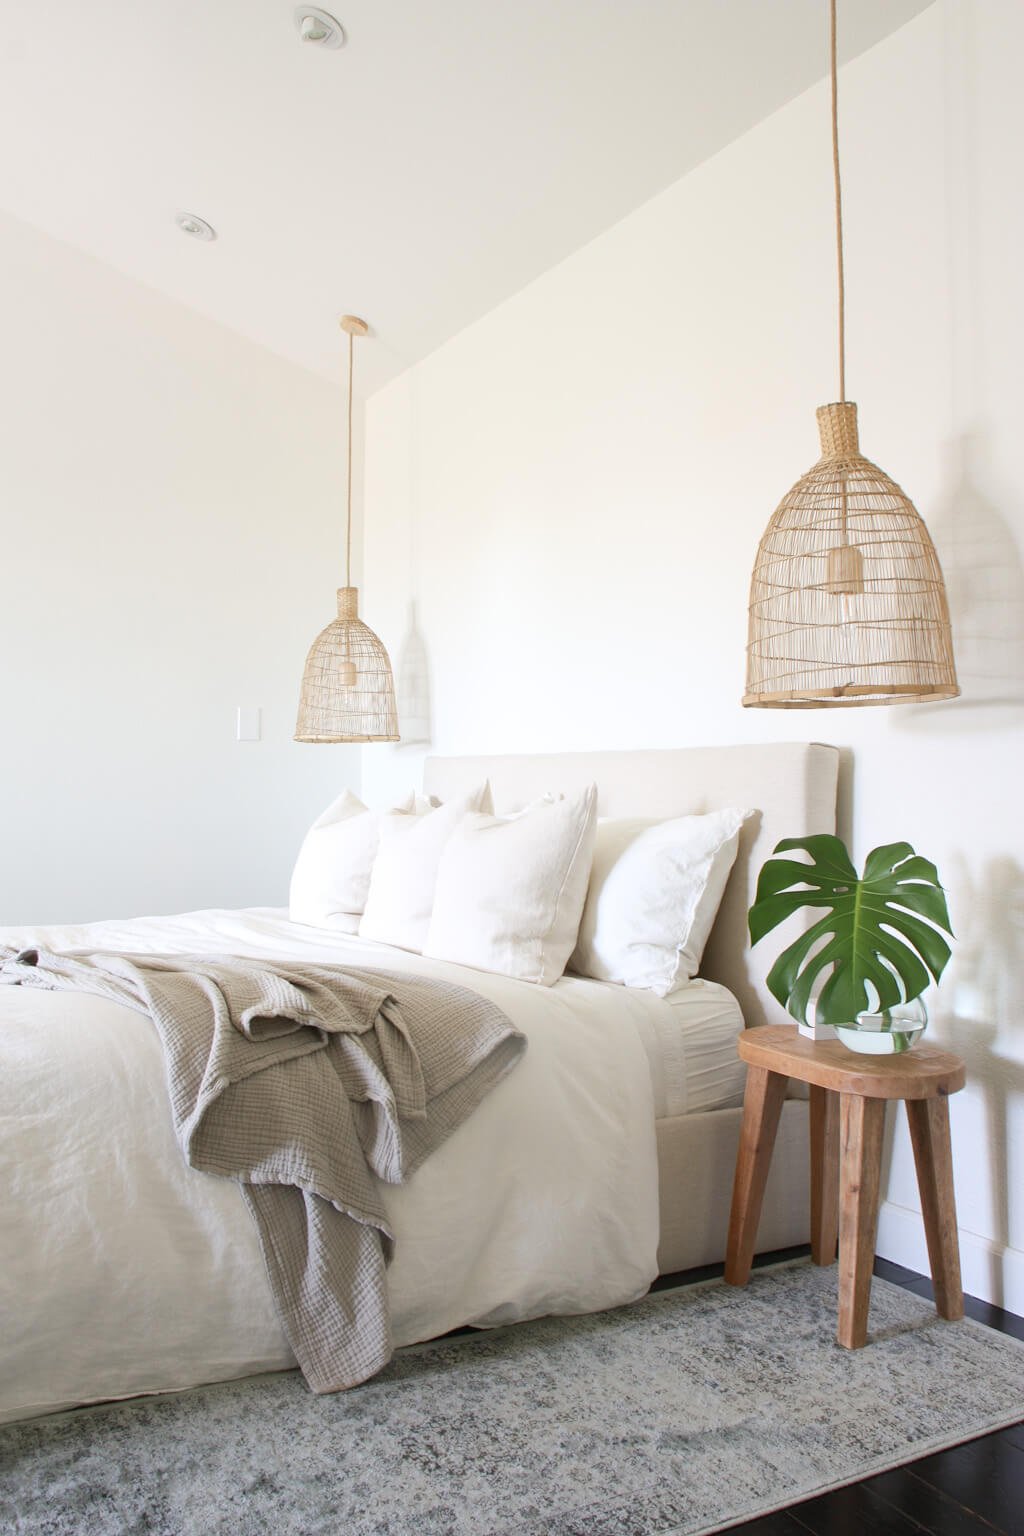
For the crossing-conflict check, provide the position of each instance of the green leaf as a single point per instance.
(828, 855)
(828, 874)
(917, 868)
(880, 861)
(880, 930)
(768, 914)
(783, 975)
(928, 942)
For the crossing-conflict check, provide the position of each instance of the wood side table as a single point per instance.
(848, 1095)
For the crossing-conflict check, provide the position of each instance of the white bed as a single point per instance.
(604, 1157)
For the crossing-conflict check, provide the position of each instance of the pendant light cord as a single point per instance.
(839, 201)
(348, 518)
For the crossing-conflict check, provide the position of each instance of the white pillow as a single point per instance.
(510, 890)
(332, 872)
(654, 892)
(401, 894)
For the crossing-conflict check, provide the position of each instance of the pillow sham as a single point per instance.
(332, 872)
(401, 894)
(510, 890)
(654, 892)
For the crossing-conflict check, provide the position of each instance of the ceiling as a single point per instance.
(449, 153)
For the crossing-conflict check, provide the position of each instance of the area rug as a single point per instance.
(686, 1413)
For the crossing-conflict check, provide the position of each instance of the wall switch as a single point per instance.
(248, 724)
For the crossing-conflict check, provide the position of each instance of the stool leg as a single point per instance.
(762, 1106)
(824, 1118)
(861, 1122)
(933, 1154)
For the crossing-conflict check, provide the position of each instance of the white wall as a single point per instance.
(573, 489)
(170, 526)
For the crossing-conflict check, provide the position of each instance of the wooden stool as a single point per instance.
(847, 1116)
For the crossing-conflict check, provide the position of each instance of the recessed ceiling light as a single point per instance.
(192, 224)
(318, 27)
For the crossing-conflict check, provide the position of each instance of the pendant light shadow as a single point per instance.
(348, 692)
(414, 686)
(847, 600)
(985, 581)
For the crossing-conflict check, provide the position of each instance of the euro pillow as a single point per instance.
(401, 894)
(654, 892)
(332, 872)
(510, 890)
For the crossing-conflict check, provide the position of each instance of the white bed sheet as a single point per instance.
(123, 1271)
(690, 1038)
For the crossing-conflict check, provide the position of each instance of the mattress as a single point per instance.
(689, 1038)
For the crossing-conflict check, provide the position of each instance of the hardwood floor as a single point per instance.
(974, 1489)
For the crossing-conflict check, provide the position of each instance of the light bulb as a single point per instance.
(319, 28)
(845, 571)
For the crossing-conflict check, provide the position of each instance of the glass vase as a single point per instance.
(886, 1033)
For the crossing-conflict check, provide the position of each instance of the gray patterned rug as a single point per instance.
(683, 1414)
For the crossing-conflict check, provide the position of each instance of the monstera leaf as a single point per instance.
(878, 939)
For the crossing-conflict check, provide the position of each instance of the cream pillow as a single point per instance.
(510, 890)
(332, 872)
(401, 894)
(654, 893)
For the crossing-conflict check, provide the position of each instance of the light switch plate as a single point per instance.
(248, 723)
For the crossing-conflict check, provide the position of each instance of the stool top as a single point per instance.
(923, 1072)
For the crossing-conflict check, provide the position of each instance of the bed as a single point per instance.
(605, 1157)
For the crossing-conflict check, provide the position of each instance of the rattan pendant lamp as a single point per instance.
(348, 693)
(847, 601)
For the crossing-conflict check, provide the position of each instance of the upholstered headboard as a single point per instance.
(791, 786)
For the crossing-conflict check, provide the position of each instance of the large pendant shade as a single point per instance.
(847, 601)
(348, 692)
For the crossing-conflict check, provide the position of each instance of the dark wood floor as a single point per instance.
(970, 1490)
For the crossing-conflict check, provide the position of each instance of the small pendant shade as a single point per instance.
(847, 601)
(348, 693)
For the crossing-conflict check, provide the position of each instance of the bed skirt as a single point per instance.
(696, 1159)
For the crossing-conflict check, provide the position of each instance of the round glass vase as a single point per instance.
(887, 1033)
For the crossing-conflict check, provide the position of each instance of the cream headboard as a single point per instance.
(792, 786)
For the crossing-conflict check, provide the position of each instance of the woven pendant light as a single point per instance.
(348, 692)
(847, 601)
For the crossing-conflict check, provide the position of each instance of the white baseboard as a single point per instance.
(990, 1271)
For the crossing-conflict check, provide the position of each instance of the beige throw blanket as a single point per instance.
(307, 1084)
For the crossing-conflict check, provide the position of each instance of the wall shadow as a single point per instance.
(985, 586)
(977, 1015)
(844, 796)
(413, 686)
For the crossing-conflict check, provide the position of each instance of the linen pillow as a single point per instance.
(654, 892)
(332, 872)
(401, 894)
(510, 890)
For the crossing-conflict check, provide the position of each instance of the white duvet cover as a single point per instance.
(124, 1271)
